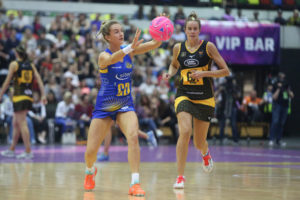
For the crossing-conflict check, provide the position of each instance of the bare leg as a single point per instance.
(22, 122)
(185, 130)
(200, 134)
(107, 142)
(128, 123)
(97, 132)
(142, 134)
(16, 133)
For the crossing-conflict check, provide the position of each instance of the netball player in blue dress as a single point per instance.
(114, 101)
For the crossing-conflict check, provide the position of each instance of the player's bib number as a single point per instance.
(123, 89)
(188, 80)
(26, 76)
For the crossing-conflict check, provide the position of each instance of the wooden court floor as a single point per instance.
(229, 181)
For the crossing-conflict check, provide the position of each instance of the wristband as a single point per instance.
(127, 49)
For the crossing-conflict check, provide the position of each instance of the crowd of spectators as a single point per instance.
(65, 53)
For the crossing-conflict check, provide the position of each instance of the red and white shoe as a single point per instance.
(179, 184)
(207, 163)
(89, 181)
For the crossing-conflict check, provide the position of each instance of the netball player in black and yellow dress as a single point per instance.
(22, 71)
(194, 103)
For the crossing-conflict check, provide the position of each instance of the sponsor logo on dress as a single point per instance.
(191, 62)
(116, 67)
(123, 76)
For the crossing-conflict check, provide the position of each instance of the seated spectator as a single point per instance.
(178, 35)
(251, 107)
(279, 19)
(145, 115)
(165, 116)
(21, 22)
(295, 19)
(38, 116)
(51, 105)
(8, 111)
(147, 87)
(83, 114)
(64, 110)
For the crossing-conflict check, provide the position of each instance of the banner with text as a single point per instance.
(248, 43)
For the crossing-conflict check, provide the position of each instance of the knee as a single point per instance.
(132, 139)
(185, 131)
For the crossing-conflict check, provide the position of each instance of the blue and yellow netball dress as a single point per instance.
(115, 93)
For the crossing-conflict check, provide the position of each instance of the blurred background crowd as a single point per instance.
(65, 52)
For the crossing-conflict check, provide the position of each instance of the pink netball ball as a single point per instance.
(161, 28)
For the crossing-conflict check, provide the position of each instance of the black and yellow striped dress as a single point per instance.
(23, 79)
(195, 96)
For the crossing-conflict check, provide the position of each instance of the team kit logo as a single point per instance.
(123, 76)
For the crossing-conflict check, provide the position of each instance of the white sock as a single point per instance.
(91, 169)
(135, 178)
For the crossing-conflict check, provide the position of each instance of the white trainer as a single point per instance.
(179, 184)
(207, 163)
(8, 153)
(151, 138)
(25, 155)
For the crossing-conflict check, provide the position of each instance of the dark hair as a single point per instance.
(105, 28)
(192, 17)
(20, 49)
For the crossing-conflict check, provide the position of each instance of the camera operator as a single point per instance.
(282, 94)
(227, 107)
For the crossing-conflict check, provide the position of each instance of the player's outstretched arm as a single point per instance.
(106, 59)
(147, 46)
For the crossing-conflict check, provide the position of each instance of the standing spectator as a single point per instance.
(153, 12)
(179, 15)
(227, 107)
(256, 16)
(295, 19)
(268, 100)
(279, 19)
(240, 16)
(139, 14)
(227, 16)
(282, 94)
